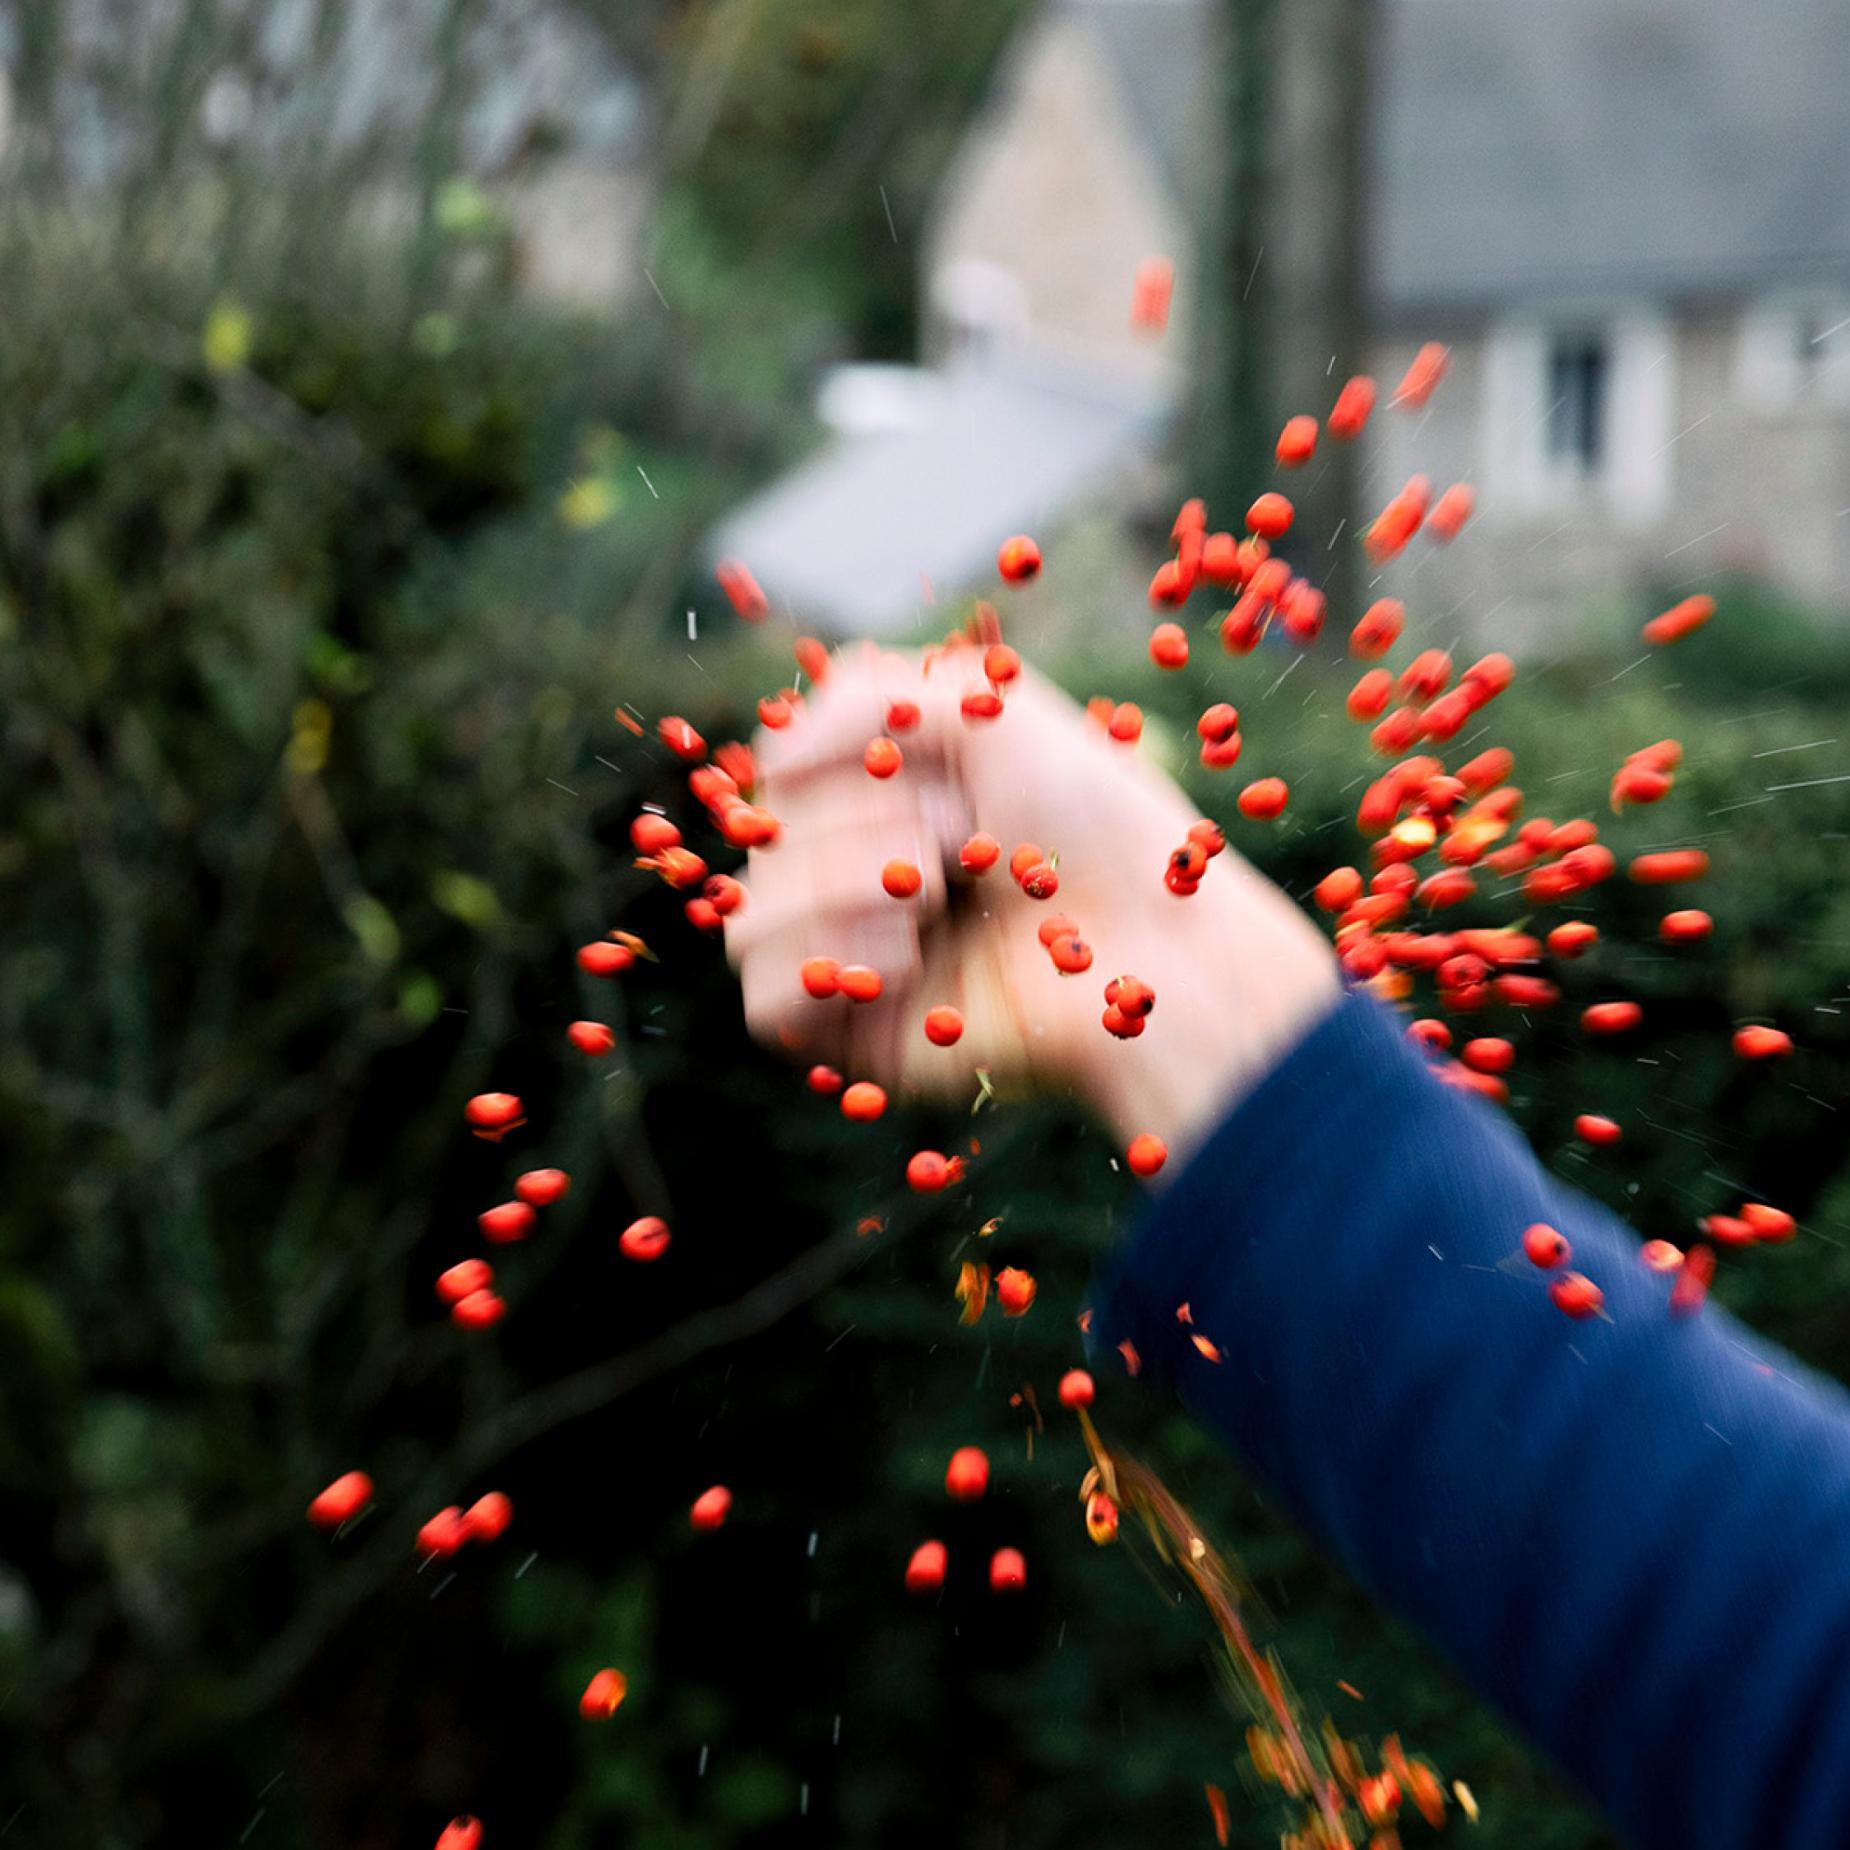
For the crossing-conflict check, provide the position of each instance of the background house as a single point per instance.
(548, 132)
(1630, 222)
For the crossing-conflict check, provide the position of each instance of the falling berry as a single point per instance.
(343, 1500)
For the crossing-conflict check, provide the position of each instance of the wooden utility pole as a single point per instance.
(1283, 318)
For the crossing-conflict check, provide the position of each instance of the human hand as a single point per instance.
(1238, 971)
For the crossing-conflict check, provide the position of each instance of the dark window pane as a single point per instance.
(1577, 383)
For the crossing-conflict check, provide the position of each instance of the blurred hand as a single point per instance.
(1239, 973)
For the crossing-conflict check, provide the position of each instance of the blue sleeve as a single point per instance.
(1632, 1535)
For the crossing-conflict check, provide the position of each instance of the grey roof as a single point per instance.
(847, 537)
(1576, 146)
(1526, 148)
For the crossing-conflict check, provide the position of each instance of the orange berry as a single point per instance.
(944, 1027)
(603, 1695)
(863, 1102)
(901, 879)
(1685, 927)
(602, 958)
(821, 977)
(979, 854)
(1015, 1291)
(1018, 559)
(1001, 664)
(1147, 1153)
(1169, 646)
(1296, 442)
(882, 758)
(859, 982)
(1264, 799)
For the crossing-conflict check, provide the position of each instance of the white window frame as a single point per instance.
(1631, 484)
(1771, 369)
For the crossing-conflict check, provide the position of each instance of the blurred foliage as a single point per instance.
(319, 583)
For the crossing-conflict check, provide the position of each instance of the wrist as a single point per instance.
(1248, 978)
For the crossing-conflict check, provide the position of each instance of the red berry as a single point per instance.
(1575, 1295)
(1270, 516)
(1040, 881)
(1591, 1128)
(493, 1111)
(653, 834)
(1169, 646)
(1573, 938)
(863, 1102)
(1018, 559)
(711, 1507)
(343, 1500)
(882, 758)
(944, 1027)
(901, 879)
(603, 1695)
(487, 1518)
(602, 958)
(1001, 664)
(929, 1171)
(480, 1310)
(540, 1188)
(1015, 1291)
(1076, 1388)
(1008, 1572)
(1685, 927)
(859, 982)
(591, 1038)
(443, 1534)
(1543, 1246)
(1488, 1055)
(511, 1221)
(462, 1279)
(967, 1475)
(644, 1240)
(1147, 1153)
(681, 739)
(821, 977)
(979, 854)
(925, 1571)
(1218, 723)
(1126, 725)
(461, 1833)
(1758, 1043)
(1264, 799)
(902, 716)
(1296, 442)
(1611, 1017)
(824, 1080)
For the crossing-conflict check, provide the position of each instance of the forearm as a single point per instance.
(1628, 1533)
